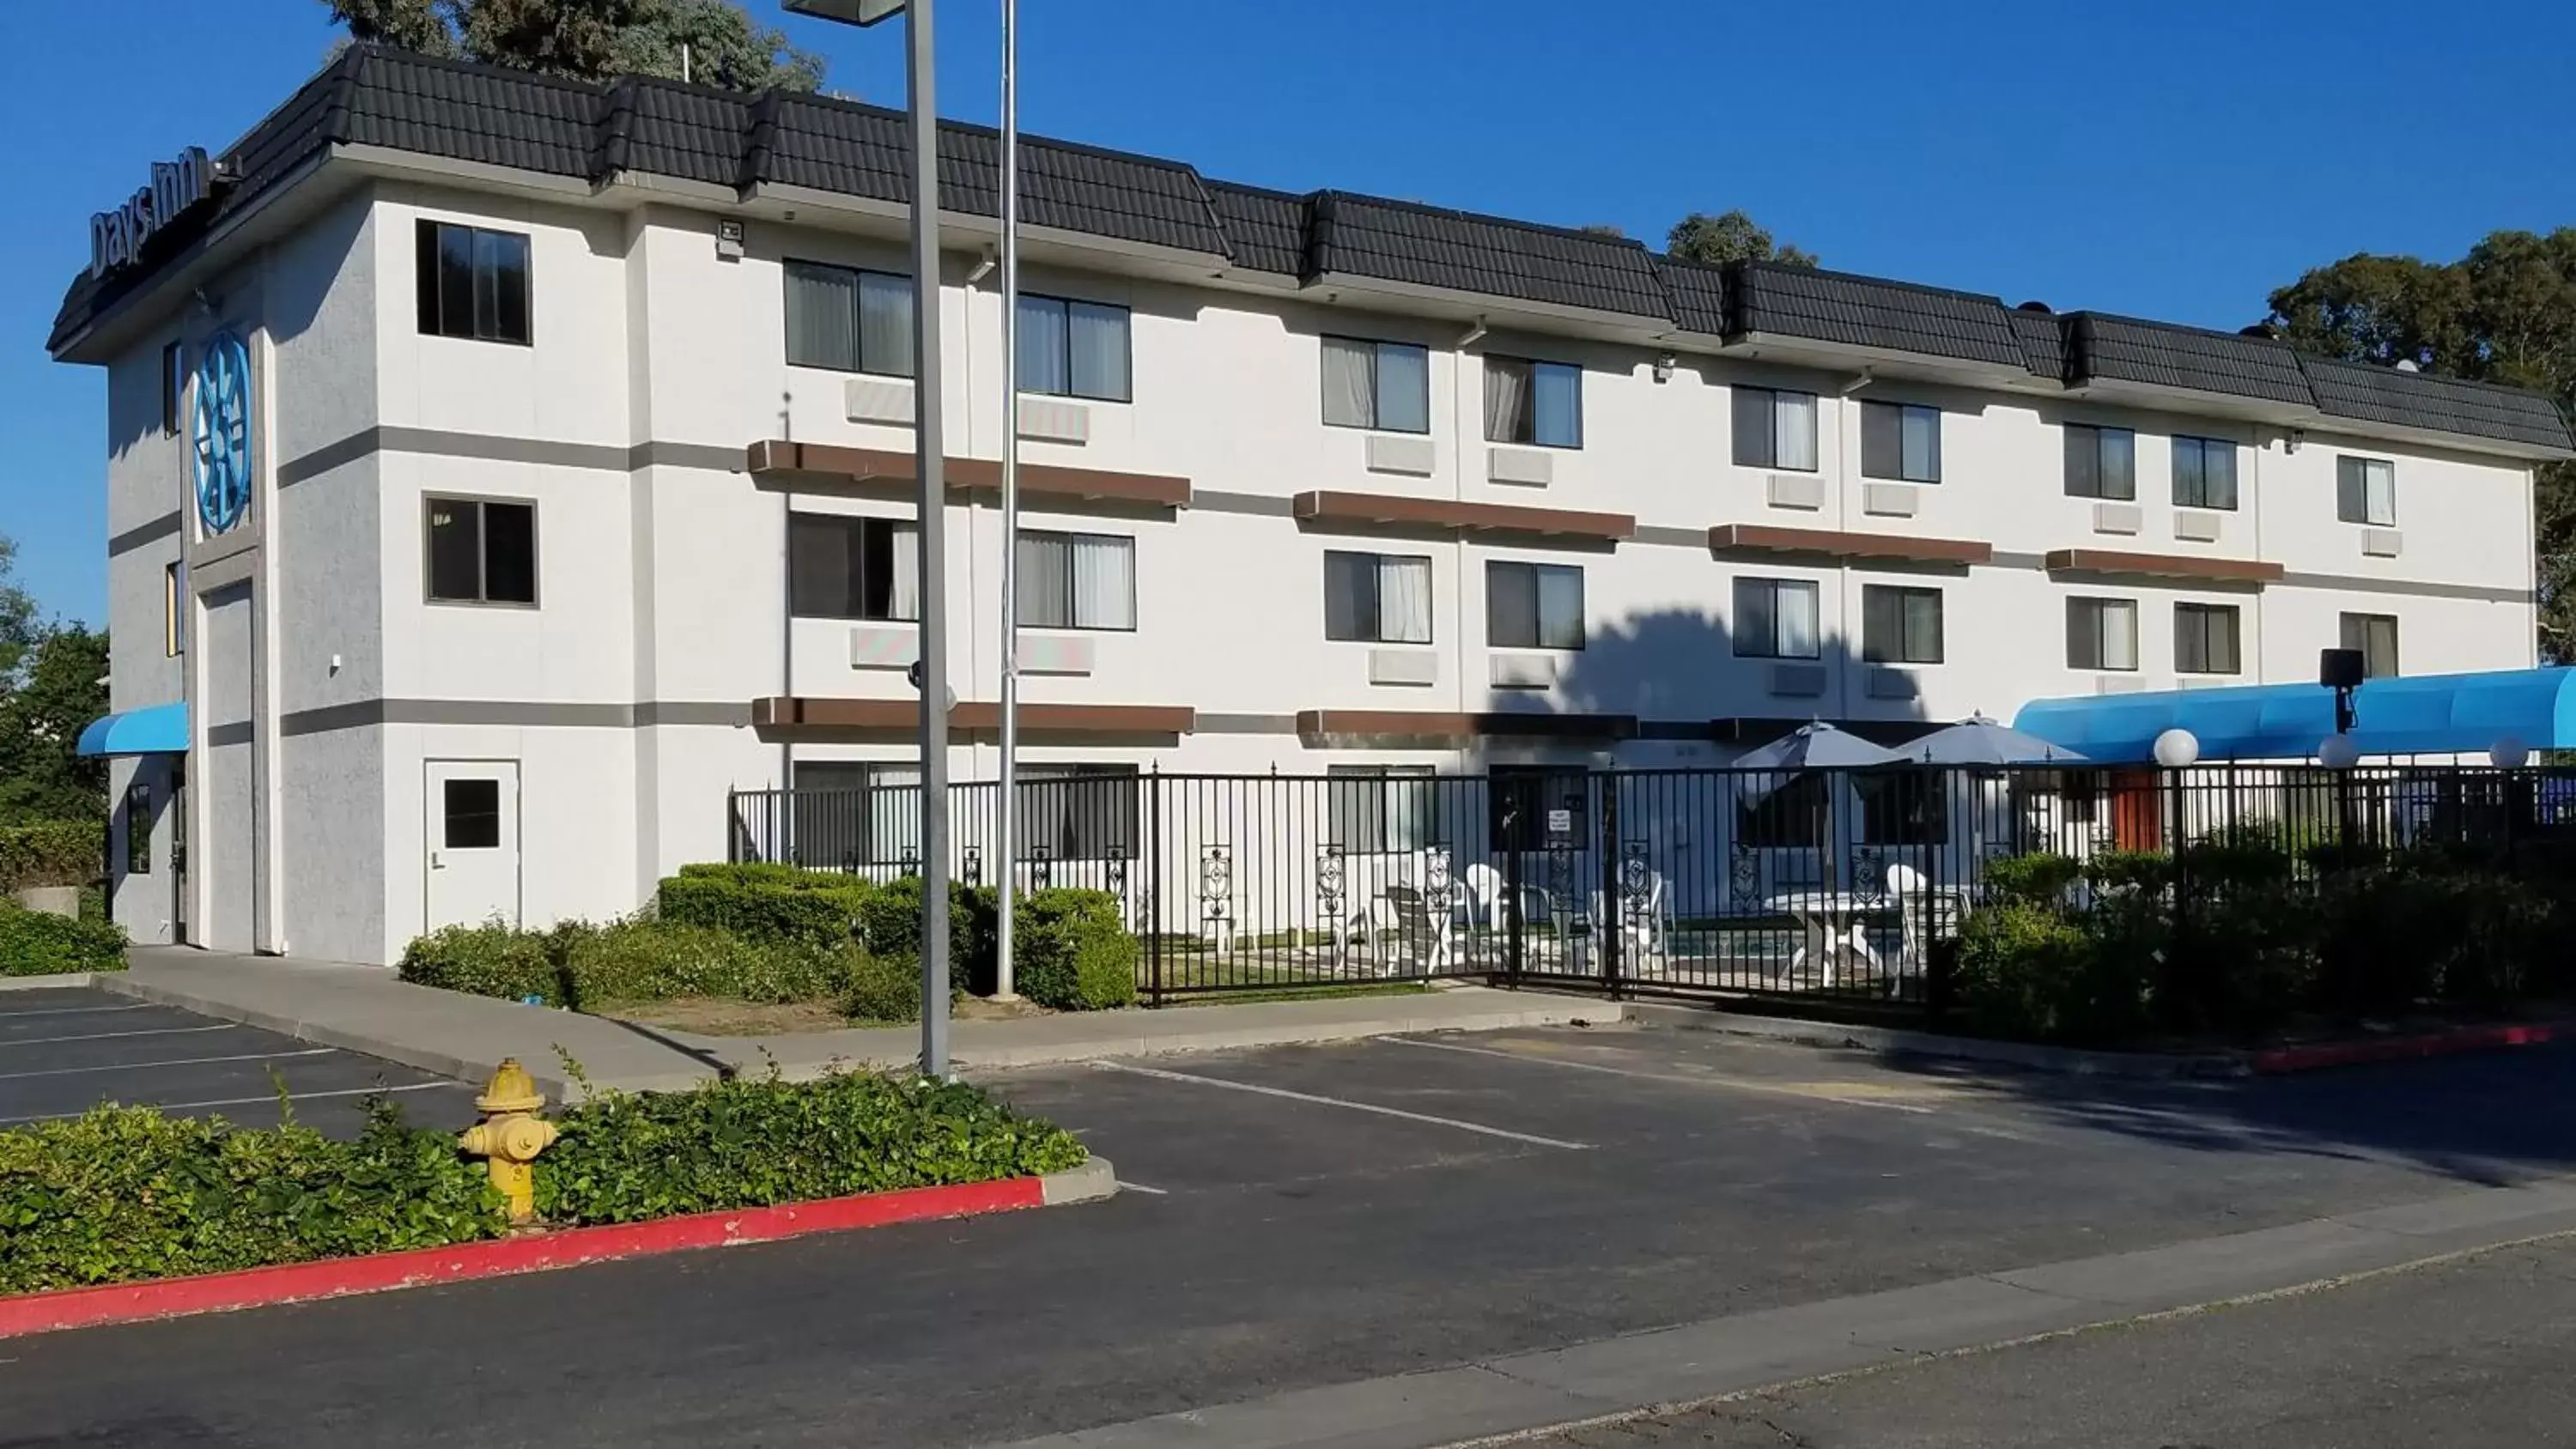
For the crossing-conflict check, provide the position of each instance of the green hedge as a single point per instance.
(51, 853)
(766, 901)
(37, 943)
(490, 960)
(578, 964)
(1073, 950)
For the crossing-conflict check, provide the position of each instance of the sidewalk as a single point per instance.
(365, 1009)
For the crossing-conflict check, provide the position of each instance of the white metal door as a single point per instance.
(472, 811)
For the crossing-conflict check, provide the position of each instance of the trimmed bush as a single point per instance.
(51, 853)
(126, 1193)
(754, 1143)
(767, 901)
(486, 960)
(2027, 973)
(1073, 950)
(650, 960)
(884, 988)
(890, 925)
(38, 943)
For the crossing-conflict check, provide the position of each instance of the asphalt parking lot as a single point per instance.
(65, 1051)
(1316, 1215)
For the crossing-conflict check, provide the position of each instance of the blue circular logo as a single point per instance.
(223, 433)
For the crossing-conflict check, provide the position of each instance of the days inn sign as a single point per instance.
(116, 238)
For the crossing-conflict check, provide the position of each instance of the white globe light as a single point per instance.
(2509, 753)
(2338, 752)
(2176, 748)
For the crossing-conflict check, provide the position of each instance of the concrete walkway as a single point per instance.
(365, 1009)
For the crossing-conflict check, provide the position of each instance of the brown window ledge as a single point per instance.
(1763, 538)
(831, 463)
(2163, 566)
(1384, 510)
(793, 712)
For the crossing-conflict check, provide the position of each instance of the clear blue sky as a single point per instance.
(2175, 159)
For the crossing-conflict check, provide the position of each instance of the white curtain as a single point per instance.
(1042, 346)
(1349, 391)
(885, 323)
(1798, 623)
(1097, 348)
(1404, 600)
(2379, 493)
(1507, 401)
(894, 813)
(1795, 431)
(1104, 583)
(822, 316)
(2119, 634)
(1922, 445)
(1559, 393)
(1043, 587)
(1403, 389)
(1560, 607)
(903, 595)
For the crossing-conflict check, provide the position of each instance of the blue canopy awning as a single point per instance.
(2427, 714)
(160, 729)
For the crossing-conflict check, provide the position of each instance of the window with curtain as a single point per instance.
(1381, 385)
(1533, 606)
(849, 320)
(1371, 809)
(1533, 402)
(2366, 491)
(2205, 639)
(2101, 463)
(2375, 635)
(1377, 598)
(1901, 441)
(1077, 581)
(1775, 429)
(1900, 625)
(2102, 634)
(1903, 807)
(1078, 812)
(1074, 349)
(2204, 473)
(1776, 619)
(852, 568)
(472, 282)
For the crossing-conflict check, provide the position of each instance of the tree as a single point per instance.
(714, 41)
(2504, 313)
(19, 629)
(1602, 229)
(41, 716)
(1731, 237)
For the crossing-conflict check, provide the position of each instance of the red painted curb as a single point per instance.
(2279, 1060)
(572, 1247)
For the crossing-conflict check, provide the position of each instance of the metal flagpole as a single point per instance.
(1006, 806)
(933, 537)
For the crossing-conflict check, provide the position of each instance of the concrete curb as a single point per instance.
(1893, 1041)
(1395, 1022)
(56, 981)
(70, 1308)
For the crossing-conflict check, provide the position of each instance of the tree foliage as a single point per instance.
(1730, 237)
(19, 627)
(2504, 313)
(593, 40)
(63, 687)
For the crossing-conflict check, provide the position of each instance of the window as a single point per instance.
(1533, 606)
(138, 828)
(852, 568)
(2205, 638)
(1079, 812)
(1377, 598)
(482, 551)
(1900, 626)
(2375, 635)
(1900, 440)
(471, 814)
(849, 814)
(2102, 634)
(1775, 429)
(1523, 800)
(473, 283)
(1073, 349)
(1077, 581)
(1903, 807)
(1378, 808)
(850, 321)
(1792, 817)
(174, 387)
(2101, 463)
(174, 609)
(1383, 385)
(1533, 402)
(1776, 619)
(2204, 473)
(2366, 491)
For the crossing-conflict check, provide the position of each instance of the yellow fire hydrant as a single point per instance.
(511, 1135)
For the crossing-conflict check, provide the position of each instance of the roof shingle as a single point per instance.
(1398, 241)
(1837, 307)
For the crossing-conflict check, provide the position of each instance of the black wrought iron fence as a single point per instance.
(1831, 886)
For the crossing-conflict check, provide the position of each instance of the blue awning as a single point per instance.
(160, 729)
(2429, 714)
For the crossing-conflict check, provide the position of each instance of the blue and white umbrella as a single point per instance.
(1978, 740)
(1818, 746)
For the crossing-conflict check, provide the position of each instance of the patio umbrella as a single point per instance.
(1978, 740)
(1818, 746)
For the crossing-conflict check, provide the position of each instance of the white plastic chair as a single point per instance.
(1906, 891)
(1418, 936)
(1485, 894)
(1645, 924)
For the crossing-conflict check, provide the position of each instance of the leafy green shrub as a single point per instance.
(51, 853)
(1072, 950)
(2037, 879)
(2026, 972)
(890, 925)
(884, 988)
(2128, 871)
(126, 1193)
(767, 901)
(38, 943)
(486, 960)
(652, 960)
(753, 1143)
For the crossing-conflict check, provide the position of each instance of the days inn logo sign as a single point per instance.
(117, 238)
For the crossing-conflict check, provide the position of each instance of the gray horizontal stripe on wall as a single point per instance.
(236, 733)
(143, 533)
(1258, 505)
(1247, 724)
(1672, 537)
(438, 443)
(521, 714)
(2479, 592)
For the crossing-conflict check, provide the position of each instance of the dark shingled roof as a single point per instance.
(373, 96)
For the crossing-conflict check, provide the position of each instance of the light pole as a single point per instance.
(1006, 805)
(922, 110)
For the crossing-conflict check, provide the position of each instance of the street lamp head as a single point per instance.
(2338, 752)
(2509, 753)
(847, 12)
(2177, 748)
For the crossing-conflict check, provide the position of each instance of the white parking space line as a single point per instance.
(179, 1062)
(1805, 1091)
(1125, 1186)
(75, 1010)
(118, 1035)
(245, 1101)
(1372, 1107)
